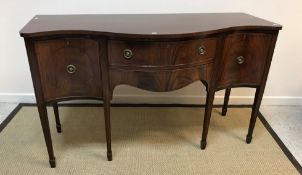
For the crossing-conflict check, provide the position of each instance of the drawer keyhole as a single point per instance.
(71, 69)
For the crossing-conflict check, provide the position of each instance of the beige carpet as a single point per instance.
(145, 140)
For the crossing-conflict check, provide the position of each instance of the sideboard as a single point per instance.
(87, 56)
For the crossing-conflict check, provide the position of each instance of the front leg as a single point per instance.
(207, 117)
(108, 128)
(46, 131)
(255, 112)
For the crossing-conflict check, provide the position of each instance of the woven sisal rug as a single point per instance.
(145, 140)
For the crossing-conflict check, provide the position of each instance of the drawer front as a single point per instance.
(244, 59)
(122, 53)
(160, 80)
(69, 67)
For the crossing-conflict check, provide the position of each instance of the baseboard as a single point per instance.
(165, 99)
(17, 97)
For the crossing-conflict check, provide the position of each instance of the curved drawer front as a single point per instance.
(160, 80)
(244, 59)
(69, 67)
(159, 54)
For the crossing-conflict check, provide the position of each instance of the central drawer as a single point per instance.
(155, 54)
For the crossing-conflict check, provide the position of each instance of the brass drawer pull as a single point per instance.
(201, 50)
(71, 69)
(240, 60)
(128, 54)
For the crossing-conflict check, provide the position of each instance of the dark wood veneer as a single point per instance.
(159, 80)
(254, 50)
(165, 52)
(142, 25)
(155, 54)
(53, 57)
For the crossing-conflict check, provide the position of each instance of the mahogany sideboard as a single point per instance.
(87, 56)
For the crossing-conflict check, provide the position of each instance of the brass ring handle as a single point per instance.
(128, 54)
(71, 69)
(240, 60)
(201, 50)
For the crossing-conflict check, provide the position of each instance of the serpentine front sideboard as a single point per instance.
(87, 56)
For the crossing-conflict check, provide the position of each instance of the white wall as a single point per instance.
(284, 82)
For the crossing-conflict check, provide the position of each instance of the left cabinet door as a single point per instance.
(69, 68)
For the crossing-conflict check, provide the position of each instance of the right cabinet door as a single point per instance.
(244, 58)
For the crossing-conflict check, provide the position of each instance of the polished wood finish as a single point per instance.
(260, 91)
(207, 118)
(54, 56)
(254, 50)
(107, 94)
(159, 80)
(40, 100)
(57, 117)
(226, 101)
(143, 26)
(87, 56)
(161, 54)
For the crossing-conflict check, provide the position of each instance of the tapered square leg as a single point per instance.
(108, 128)
(207, 117)
(47, 136)
(255, 112)
(57, 117)
(52, 163)
(248, 139)
(226, 101)
(109, 155)
(203, 144)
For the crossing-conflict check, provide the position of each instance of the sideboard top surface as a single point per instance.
(152, 25)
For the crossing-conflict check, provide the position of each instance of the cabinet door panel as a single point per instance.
(244, 59)
(69, 68)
